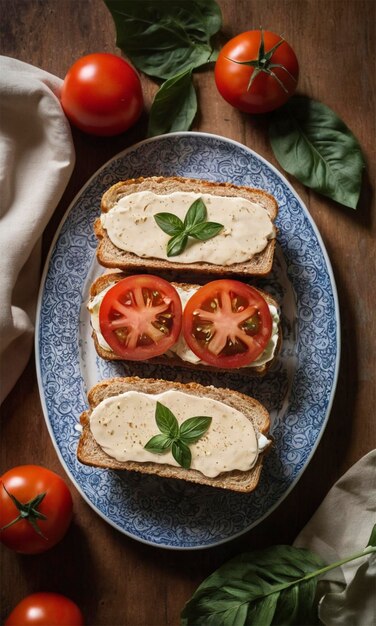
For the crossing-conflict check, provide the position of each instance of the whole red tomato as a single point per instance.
(257, 71)
(35, 509)
(102, 94)
(45, 609)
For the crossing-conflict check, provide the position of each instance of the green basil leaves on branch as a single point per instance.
(313, 144)
(163, 38)
(194, 225)
(176, 437)
(174, 106)
(167, 40)
(273, 586)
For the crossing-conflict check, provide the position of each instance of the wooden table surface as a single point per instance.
(115, 579)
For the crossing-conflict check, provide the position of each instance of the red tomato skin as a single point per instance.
(45, 609)
(265, 94)
(128, 284)
(102, 94)
(25, 482)
(206, 292)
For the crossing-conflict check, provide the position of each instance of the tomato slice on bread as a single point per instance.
(140, 317)
(227, 323)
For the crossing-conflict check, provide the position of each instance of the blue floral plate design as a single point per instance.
(298, 391)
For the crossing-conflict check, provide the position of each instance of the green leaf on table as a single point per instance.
(273, 586)
(165, 37)
(313, 144)
(174, 106)
(260, 587)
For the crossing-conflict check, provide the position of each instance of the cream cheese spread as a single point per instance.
(131, 227)
(180, 348)
(123, 424)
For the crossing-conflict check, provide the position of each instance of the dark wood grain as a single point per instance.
(116, 580)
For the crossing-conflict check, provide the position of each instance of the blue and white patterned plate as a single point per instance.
(298, 392)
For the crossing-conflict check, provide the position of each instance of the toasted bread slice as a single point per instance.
(109, 255)
(90, 453)
(171, 359)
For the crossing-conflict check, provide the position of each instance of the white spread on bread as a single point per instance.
(124, 423)
(131, 227)
(180, 348)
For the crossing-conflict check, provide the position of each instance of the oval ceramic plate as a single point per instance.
(298, 392)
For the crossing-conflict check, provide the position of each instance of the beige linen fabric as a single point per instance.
(36, 161)
(341, 527)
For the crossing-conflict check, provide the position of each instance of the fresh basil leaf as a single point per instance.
(169, 223)
(166, 420)
(210, 14)
(165, 37)
(260, 581)
(195, 215)
(193, 428)
(174, 106)
(194, 226)
(177, 244)
(158, 444)
(313, 144)
(205, 231)
(181, 454)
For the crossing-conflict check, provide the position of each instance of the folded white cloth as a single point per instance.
(340, 528)
(36, 161)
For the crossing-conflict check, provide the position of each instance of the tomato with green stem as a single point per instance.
(257, 71)
(35, 509)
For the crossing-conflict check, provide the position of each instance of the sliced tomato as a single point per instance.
(140, 317)
(227, 323)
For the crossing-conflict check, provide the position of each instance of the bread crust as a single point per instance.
(110, 256)
(105, 280)
(90, 453)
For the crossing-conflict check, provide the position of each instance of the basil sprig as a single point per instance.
(313, 144)
(276, 585)
(174, 106)
(176, 437)
(168, 40)
(194, 225)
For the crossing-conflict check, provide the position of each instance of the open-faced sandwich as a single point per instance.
(215, 437)
(160, 224)
(223, 325)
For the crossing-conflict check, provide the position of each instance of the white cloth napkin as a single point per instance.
(36, 161)
(340, 528)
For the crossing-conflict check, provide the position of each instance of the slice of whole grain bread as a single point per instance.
(109, 255)
(90, 453)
